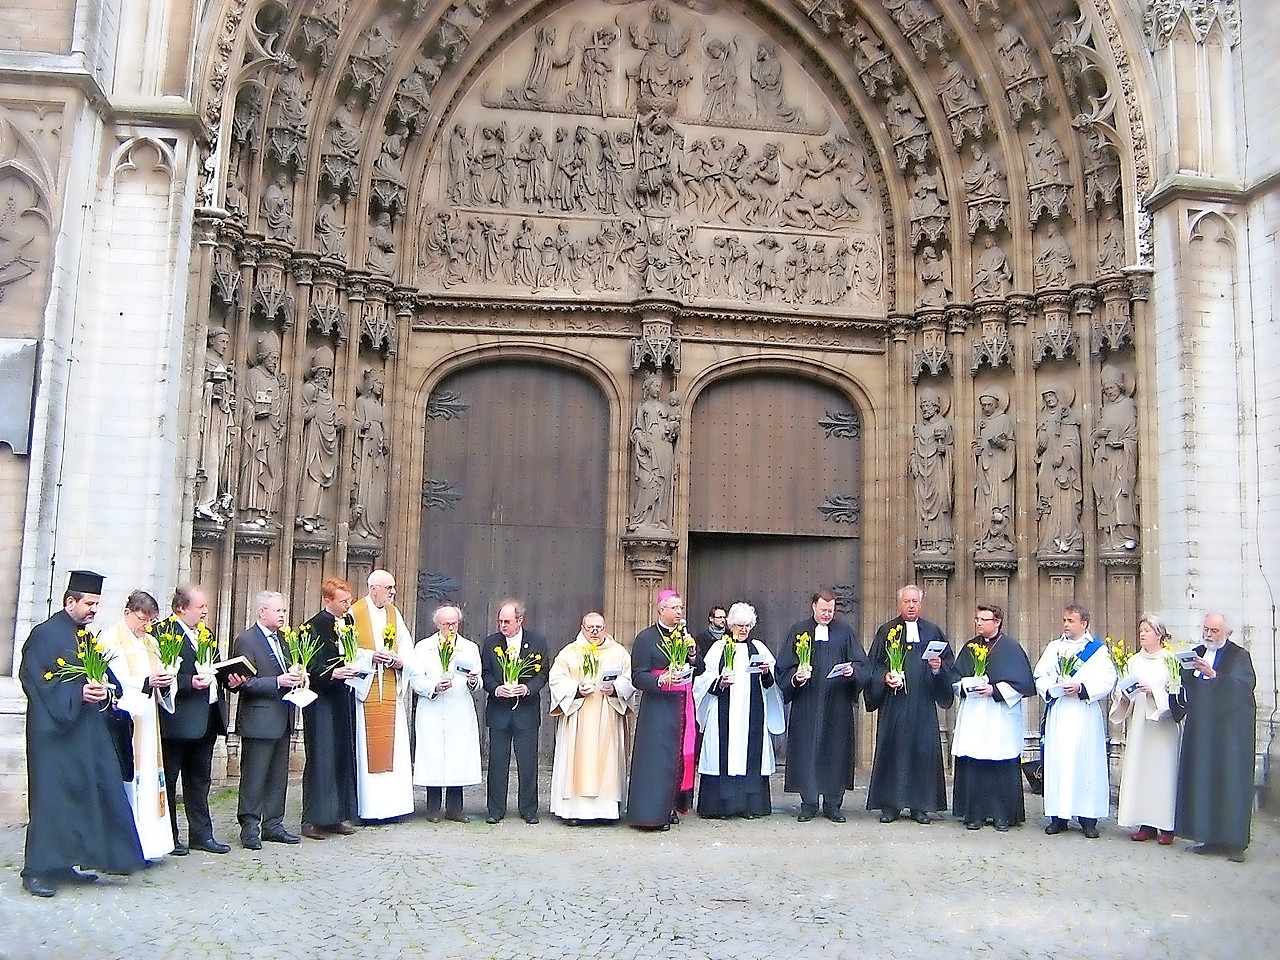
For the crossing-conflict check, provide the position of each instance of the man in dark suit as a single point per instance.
(907, 770)
(513, 711)
(189, 733)
(264, 722)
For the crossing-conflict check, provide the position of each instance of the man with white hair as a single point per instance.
(1215, 777)
(739, 706)
(448, 734)
(384, 776)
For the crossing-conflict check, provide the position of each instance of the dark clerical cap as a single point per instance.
(85, 581)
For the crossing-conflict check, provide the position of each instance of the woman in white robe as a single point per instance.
(739, 709)
(1149, 774)
(447, 757)
(134, 662)
(589, 774)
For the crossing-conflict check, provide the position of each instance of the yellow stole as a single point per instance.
(380, 711)
(140, 660)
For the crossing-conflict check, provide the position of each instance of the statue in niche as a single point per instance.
(657, 182)
(277, 206)
(766, 78)
(662, 72)
(1115, 463)
(983, 180)
(654, 431)
(1012, 52)
(1111, 254)
(291, 99)
(262, 412)
(532, 160)
(381, 257)
(387, 165)
(369, 459)
(934, 271)
(957, 91)
(995, 454)
(331, 225)
(720, 82)
(217, 429)
(992, 276)
(1054, 261)
(1045, 158)
(904, 116)
(932, 472)
(1059, 480)
(322, 421)
(345, 135)
(595, 69)
(458, 160)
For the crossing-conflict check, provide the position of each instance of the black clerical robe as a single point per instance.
(328, 730)
(662, 756)
(822, 727)
(79, 814)
(1215, 772)
(907, 770)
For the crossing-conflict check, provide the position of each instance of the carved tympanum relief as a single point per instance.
(650, 150)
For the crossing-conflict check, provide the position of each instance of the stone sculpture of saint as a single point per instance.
(932, 470)
(217, 426)
(992, 276)
(277, 207)
(263, 402)
(369, 459)
(1115, 463)
(322, 422)
(654, 432)
(766, 78)
(1059, 481)
(994, 452)
(662, 71)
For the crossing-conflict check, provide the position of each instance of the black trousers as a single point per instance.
(831, 802)
(264, 777)
(452, 797)
(192, 760)
(525, 743)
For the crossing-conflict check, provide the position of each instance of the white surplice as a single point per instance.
(1075, 734)
(739, 712)
(448, 734)
(382, 796)
(132, 662)
(987, 728)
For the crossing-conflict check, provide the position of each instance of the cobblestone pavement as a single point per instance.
(707, 889)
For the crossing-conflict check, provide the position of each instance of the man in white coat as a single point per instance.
(384, 777)
(448, 735)
(1075, 675)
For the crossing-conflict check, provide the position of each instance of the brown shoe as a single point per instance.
(1143, 833)
(344, 828)
(312, 832)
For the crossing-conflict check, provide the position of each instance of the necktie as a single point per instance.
(274, 643)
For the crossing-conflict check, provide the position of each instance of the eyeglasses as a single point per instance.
(984, 619)
(593, 628)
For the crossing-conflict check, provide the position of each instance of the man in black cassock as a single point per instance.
(329, 725)
(662, 756)
(189, 734)
(822, 728)
(79, 814)
(1215, 772)
(907, 770)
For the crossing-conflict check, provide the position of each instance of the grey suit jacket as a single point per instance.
(263, 714)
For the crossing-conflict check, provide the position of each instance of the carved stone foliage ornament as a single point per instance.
(842, 424)
(656, 152)
(841, 508)
(1162, 17)
(933, 356)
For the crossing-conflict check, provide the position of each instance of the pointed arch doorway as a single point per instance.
(775, 498)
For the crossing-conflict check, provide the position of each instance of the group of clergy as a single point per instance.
(104, 757)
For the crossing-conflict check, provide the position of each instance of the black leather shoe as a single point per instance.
(179, 850)
(1001, 825)
(38, 886)
(281, 836)
(492, 820)
(804, 816)
(211, 846)
(1056, 825)
(532, 820)
(312, 832)
(251, 843)
(1203, 848)
(919, 816)
(1236, 856)
(972, 825)
(835, 816)
(457, 817)
(888, 816)
(1090, 831)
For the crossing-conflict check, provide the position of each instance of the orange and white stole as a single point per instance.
(379, 710)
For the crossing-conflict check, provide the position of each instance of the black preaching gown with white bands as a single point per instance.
(907, 770)
(737, 719)
(328, 729)
(79, 812)
(821, 744)
(987, 743)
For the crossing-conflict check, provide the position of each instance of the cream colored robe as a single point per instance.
(589, 774)
(1149, 774)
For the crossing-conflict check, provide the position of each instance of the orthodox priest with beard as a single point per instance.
(821, 743)
(662, 759)
(79, 814)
